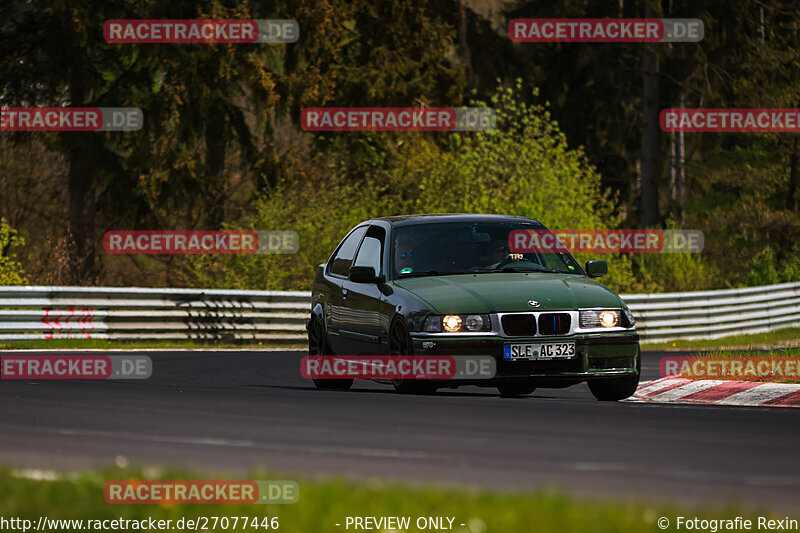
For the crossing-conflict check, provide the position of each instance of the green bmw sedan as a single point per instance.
(452, 285)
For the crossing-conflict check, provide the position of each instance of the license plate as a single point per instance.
(550, 350)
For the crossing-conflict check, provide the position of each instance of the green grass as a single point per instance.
(322, 504)
(777, 338)
(768, 352)
(134, 345)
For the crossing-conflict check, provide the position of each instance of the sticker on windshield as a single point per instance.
(406, 270)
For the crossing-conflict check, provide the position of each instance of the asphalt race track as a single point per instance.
(234, 411)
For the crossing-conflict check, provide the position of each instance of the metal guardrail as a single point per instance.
(30, 313)
(715, 314)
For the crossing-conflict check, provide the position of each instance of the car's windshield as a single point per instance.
(443, 248)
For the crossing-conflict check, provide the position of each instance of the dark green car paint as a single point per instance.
(362, 329)
(509, 291)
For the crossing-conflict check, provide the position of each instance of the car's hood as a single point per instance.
(509, 291)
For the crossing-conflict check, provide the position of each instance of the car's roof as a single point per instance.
(406, 220)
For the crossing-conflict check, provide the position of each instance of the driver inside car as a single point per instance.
(499, 252)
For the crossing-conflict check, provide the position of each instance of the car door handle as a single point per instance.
(344, 293)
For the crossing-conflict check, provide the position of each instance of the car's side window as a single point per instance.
(340, 264)
(371, 250)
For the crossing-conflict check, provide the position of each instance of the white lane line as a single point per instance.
(599, 467)
(685, 390)
(210, 441)
(760, 394)
(206, 441)
(772, 481)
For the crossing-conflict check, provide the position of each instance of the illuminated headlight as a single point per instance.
(605, 318)
(452, 323)
(609, 319)
(456, 323)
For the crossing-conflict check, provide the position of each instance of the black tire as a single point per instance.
(513, 389)
(318, 345)
(615, 389)
(400, 344)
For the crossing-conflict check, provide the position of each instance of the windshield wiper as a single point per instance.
(520, 269)
(528, 269)
(419, 274)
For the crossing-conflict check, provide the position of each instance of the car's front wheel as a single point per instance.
(615, 389)
(318, 345)
(400, 344)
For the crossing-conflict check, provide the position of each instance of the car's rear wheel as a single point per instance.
(615, 389)
(400, 344)
(512, 389)
(318, 345)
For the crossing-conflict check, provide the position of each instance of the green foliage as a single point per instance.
(11, 272)
(672, 272)
(79, 496)
(320, 214)
(766, 269)
(221, 144)
(762, 270)
(524, 167)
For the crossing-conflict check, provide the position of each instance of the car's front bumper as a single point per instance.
(597, 355)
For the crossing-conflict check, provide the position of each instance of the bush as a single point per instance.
(11, 272)
(672, 272)
(524, 167)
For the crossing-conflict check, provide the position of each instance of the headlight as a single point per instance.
(609, 319)
(605, 318)
(629, 318)
(474, 322)
(456, 323)
(432, 324)
(452, 323)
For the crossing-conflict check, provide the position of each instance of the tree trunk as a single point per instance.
(215, 166)
(677, 173)
(794, 177)
(82, 211)
(462, 39)
(650, 136)
(681, 181)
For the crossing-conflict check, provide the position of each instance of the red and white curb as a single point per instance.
(715, 392)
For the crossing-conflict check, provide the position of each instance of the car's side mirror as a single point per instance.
(596, 269)
(362, 274)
